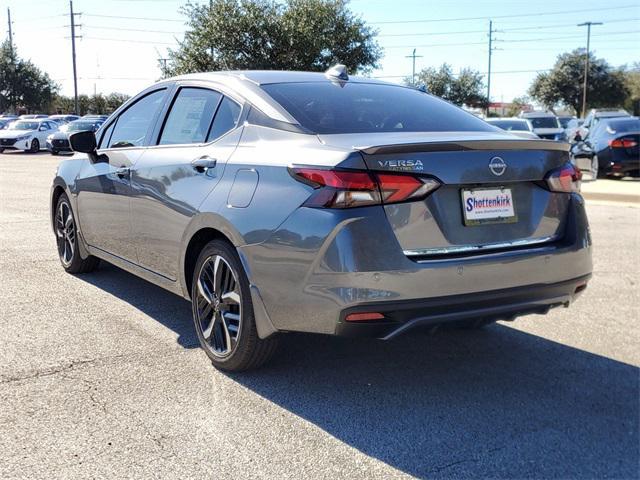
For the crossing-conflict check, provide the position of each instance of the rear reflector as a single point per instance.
(364, 317)
(564, 179)
(354, 188)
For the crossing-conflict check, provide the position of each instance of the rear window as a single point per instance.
(327, 108)
(517, 125)
(544, 122)
(622, 126)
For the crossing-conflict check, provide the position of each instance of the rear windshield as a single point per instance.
(517, 125)
(544, 122)
(80, 126)
(621, 126)
(326, 108)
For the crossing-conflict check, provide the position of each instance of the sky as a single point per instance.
(122, 39)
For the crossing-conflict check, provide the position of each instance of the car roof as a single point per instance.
(611, 113)
(265, 77)
(537, 114)
(511, 119)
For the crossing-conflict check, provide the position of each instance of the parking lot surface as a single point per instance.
(100, 376)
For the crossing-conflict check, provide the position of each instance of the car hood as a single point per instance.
(15, 133)
(370, 142)
(547, 131)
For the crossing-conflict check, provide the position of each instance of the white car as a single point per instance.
(545, 125)
(516, 126)
(27, 135)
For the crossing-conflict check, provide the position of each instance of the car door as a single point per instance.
(104, 187)
(44, 130)
(174, 176)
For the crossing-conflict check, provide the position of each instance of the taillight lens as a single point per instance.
(623, 143)
(346, 189)
(564, 179)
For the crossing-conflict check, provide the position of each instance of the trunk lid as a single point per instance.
(462, 162)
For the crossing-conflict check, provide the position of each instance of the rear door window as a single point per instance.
(190, 117)
(226, 119)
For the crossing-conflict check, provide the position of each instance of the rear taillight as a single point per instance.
(623, 143)
(564, 179)
(346, 189)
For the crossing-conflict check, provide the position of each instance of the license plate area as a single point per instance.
(487, 205)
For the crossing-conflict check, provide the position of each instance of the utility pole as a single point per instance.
(73, 56)
(13, 80)
(586, 65)
(413, 56)
(491, 49)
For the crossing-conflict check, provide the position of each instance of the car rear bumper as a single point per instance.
(488, 306)
(321, 265)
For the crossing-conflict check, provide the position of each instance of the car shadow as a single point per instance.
(497, 402)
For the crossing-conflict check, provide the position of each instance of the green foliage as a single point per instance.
(273, 35)
(632, 82)
(97, 104)
(464, 89)
(563, 85)
(22, 85)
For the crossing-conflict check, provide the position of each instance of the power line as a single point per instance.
(151, 19)
(134, 30)
(128, 41)
(534, 14)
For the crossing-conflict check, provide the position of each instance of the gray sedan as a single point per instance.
(293, 201)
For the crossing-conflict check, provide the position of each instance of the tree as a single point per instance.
(22, 84)
(632, 81)
(518, 104)
(563, 85)
(272, 35)
(465, 88)
(97, 104)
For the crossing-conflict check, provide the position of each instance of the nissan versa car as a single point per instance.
(59, 141)
(310, 202)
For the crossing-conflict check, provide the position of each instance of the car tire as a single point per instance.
(35, 146)
(223, 311)
(1, 150)
(54, 152)
(67, 240)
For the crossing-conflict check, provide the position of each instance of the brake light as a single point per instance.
(346, 189)
(622, 143)
(564, 179)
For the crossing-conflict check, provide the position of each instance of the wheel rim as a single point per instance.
(66, 233)
(218, 306)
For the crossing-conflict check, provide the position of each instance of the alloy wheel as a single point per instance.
(66, 233)
(218, 306)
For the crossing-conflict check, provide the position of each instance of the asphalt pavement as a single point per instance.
(100, 376)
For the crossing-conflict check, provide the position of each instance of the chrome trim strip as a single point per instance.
(477, 248)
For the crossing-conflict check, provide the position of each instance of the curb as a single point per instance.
(611, 197)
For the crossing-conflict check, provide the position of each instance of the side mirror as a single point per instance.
(85, 142)
(43, 129)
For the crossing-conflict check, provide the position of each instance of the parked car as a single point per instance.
(294, 201)
(32, 116)
(59, 141)
(611, 148)
(572, 128)
(4, 123)
(101, 117)
(564, 120)
(516, 126)
(8, 116)
(63, 119)
(545, 125)
(26, 135)
(597, 114)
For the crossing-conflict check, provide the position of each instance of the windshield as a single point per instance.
(326, 108)
(517, 125)
(80, 126)
(25, 126)
(544, 122)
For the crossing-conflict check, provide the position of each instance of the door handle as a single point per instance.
(204, 163)
(122, 172)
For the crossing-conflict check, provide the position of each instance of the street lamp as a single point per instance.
(586, 64)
